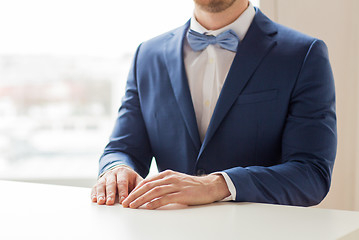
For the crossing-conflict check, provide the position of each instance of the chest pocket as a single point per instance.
(257, 97)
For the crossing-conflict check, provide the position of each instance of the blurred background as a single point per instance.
(64, 65)
(63, 69)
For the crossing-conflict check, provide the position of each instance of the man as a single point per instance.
(232, 106)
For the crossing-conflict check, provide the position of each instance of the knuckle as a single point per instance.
(111, 182)
(107, 173)
(110, 187)
(100, 188)
(173, 179)
(157, 189)
(154, 204)
(122, 193)
(117, 170)
(102, 180)
(110, 193)
(148, 185)
(121, 182)
(121, 188)
(168, 172)
(159, 202)
(121, 169)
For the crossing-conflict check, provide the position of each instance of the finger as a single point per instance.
(101, 191)
(122, 186)
(110, 189)
(156, 192)
(147, 180)
(93, 194)
(165, 200)
(153, 178)
(144, 189)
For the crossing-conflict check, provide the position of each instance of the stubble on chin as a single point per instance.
(214, 6)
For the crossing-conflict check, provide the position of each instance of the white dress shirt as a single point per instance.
(206, 72)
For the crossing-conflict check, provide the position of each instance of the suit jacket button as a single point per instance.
(201, 172)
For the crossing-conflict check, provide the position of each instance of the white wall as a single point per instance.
(337, 23)
(355, 21)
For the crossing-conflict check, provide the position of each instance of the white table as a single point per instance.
(38, 211)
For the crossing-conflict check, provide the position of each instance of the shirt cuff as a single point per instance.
(230, 185)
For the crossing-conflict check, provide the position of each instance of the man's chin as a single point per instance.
(214, 6)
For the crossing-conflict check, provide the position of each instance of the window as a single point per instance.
(63, 68)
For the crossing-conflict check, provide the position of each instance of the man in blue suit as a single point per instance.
(232, 106)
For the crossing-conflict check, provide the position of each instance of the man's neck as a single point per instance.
(214, 21)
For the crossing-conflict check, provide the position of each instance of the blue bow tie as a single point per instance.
(227, 40)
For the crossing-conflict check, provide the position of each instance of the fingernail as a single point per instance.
(101, 198)
(109, 199)
(121, 199)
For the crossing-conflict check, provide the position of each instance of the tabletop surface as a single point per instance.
(39, 211)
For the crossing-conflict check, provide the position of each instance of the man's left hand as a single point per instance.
(173, 187)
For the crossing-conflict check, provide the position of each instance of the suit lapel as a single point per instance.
(176, 70)
(254, 47)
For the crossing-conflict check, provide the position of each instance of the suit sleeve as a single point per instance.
(129, 144)
(309, 142)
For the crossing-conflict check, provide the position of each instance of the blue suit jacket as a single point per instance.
(273, 130)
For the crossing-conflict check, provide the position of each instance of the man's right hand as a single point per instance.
(120, 180)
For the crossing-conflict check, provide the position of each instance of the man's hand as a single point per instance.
(120, 180)
(173, 187)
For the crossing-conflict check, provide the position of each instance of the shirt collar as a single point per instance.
(239, 26)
